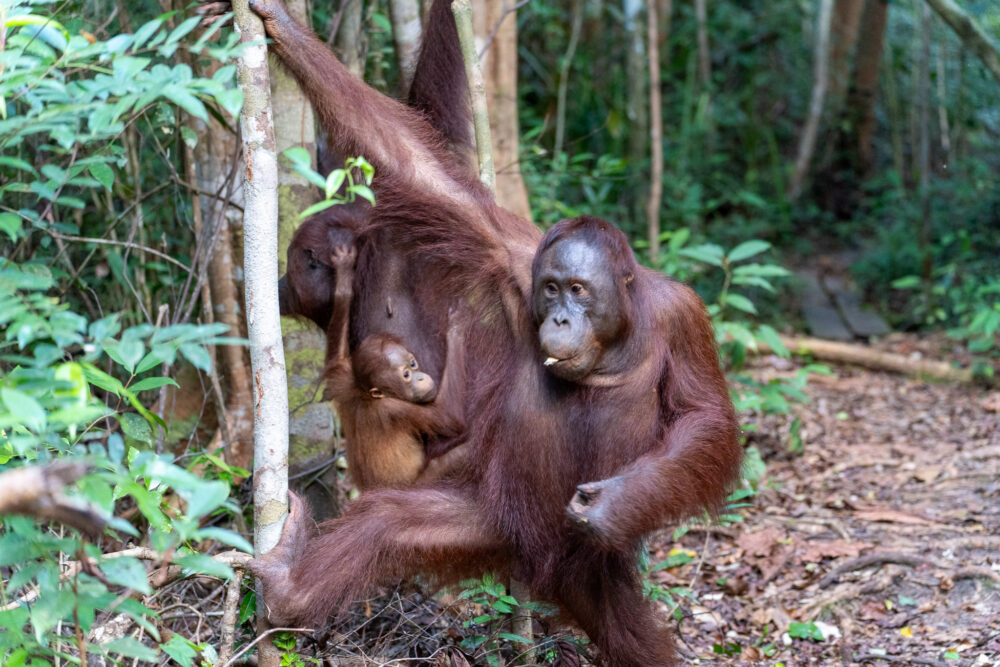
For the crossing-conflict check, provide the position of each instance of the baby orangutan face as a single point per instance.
(385, 367)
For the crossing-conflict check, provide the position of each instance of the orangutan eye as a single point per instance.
(578, 289)
(406, 375)
(551, 289)
(413, 363)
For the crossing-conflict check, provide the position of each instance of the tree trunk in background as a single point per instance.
(704, 53)
(924, 158)
(405, 17)
(807, 144)
(637, 104)
(499, 63)
(564, 69)
(311, 423)
(972, 35)
(348, 42)
(864, 87)
(942, 94)
(843, 37)
(655, 133)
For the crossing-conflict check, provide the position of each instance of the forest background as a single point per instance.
(753, 149)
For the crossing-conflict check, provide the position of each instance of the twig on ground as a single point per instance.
(872, 559)
(37, 491)
(229, 610)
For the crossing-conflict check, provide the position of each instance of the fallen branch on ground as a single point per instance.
(862, 355)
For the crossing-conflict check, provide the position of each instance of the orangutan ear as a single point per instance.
(376, 392)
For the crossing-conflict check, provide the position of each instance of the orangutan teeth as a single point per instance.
(550, 361)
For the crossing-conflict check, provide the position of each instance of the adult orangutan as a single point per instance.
(597, 408)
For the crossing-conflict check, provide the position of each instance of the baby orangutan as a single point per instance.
(386, 403)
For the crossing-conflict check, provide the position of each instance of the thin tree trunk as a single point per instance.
(637, 103)
(655, 134)
(477, 93)
(564, 68)
(405, 17)
(348, 41)
(923, 106)
(971, 33)
(260, 265)
(864, 88)
(942, 94)
(807, 144)
(498, 19)
(704, 53)
(896, 122)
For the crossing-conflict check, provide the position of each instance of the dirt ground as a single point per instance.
(885, 530)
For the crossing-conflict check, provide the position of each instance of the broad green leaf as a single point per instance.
(181, 650)
(317, 207)
(128, 572)
(103, 173)
(130, 648)
(768, 335)
(747, 249)
(11, 224)
(202, 564)
(152, 383)
(226, 537)
(24, 408)
(333, 182)
(137, 428)
(206, 498)
(740, 302)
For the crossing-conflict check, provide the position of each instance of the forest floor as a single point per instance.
(883, 532)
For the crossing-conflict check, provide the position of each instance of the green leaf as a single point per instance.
(184, 28)
(231, 101)
(102, 380)
(298, 156)
(740, 302)
(152, 383)
(206, 498)
(197, 355)
(317, 207)
(362, 191)
(17, 163)
(137, 428)
(128, 572)
(333, 182)
(768, 335)
(202, 564)
(11, 224)
(103, 173)
(130, 648)
(708, 253)
(907, 282)
(805, 631)
(764, 270)
(146, 31)
(181, 650)
(24, 408)
(183, 98)
(226, 537)
(747, 249)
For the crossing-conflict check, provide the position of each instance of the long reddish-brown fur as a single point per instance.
(660, 422)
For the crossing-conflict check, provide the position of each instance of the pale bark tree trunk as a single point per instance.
(260, 265)
(843, 36)
(637, 105)
(971, 33)
(498, 18)
(564, 69)
(807, 144)
(405, 17)
(348, 43)
(655, 133)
